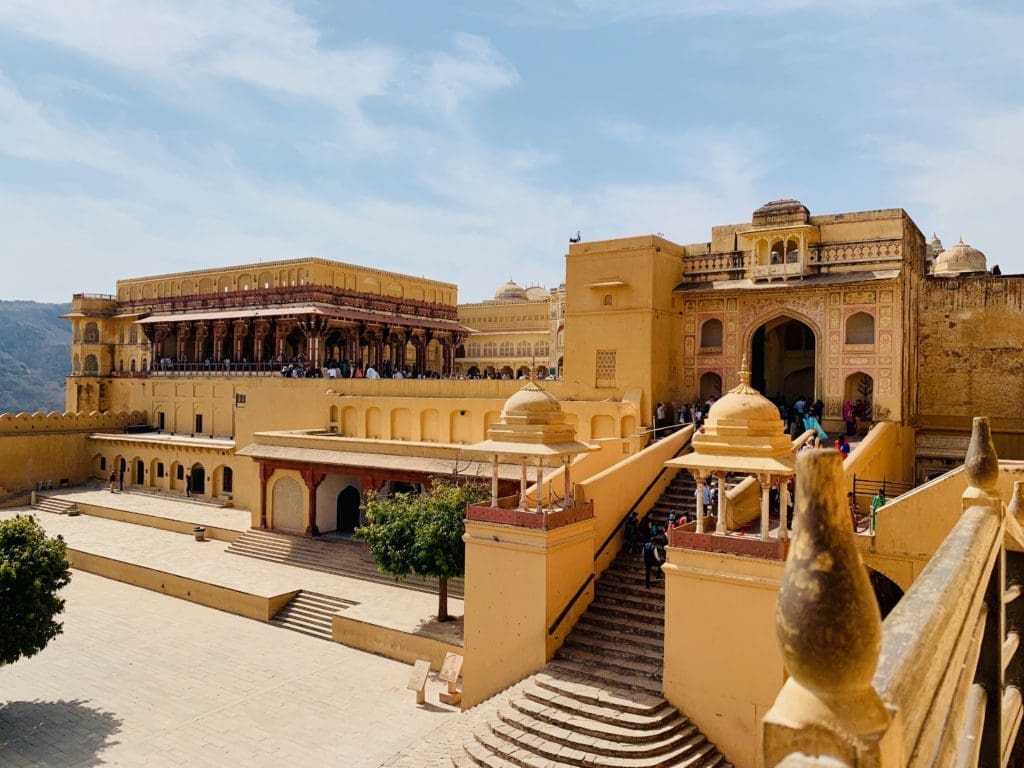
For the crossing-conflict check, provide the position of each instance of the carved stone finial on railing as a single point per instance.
(828, 624)
(1016, 505)
(982, 467)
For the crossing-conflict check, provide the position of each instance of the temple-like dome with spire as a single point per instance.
(960, 259)
(745, 425)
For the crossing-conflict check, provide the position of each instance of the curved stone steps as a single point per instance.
(520, 746)
(558, 683)
(657, 717)
(579, 721)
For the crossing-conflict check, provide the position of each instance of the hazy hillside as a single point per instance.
(35, 356)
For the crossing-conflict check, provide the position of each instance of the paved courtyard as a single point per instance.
(139, 678)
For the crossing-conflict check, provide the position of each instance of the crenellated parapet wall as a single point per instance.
(39, 422)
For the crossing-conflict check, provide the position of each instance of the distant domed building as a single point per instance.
(959, 260)
(511, 291)
(516, 333)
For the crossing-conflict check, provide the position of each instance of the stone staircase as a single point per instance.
(679, 497)
(340, 557)
(599, 702)
(56, 506)
(310, 613)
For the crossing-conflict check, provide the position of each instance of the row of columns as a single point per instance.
(322, 339)
(766, 483)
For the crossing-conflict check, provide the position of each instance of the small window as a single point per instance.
(711, 333)
(860, 328)
(607, 299)
(160, 469)
(181, 472)
(199, 423)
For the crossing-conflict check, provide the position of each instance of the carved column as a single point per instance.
(202, 331)
(313, 479)
(260, 331)
(184, 333)
(220, 332)
(699, 477)
(722, 505)
(240, 329)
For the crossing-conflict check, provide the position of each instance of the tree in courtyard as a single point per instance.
(422, 533)
(33, 567)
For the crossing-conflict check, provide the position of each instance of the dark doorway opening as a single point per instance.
(348, 509)
(782, 359)
(140, 472)
(887, 591)
(198, 480)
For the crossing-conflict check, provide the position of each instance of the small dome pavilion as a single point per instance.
(744, 434)
(532, 428)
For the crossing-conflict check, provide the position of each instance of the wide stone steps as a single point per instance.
(519, 746)
(54, 506)
(599, 702)
(311, 614)
(339, 558)
(617, 635)
(631, 651)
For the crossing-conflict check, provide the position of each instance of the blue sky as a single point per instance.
(466, 141)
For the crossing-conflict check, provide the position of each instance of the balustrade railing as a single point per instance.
(939, 682)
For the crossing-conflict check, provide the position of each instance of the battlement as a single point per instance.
(21, 423)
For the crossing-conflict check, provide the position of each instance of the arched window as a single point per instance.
(711, 333)
(92, 366)
(778, 252)
(473, 350)
(133, 365)
(92, 334)
(490, 349)
(792, 252)
(506, 349)
(524, 349)
(860, 328)
(540, 349)
(133, 334)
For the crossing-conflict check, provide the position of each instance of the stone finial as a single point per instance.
(982, 466)
(827, 619)
(1016, 506)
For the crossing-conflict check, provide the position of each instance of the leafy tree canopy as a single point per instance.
(422, 533)
(33, 567)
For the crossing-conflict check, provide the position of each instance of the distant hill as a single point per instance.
(35, 356)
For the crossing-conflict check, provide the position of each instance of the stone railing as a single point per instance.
(860, 252)
(938, 683)
(714, 263)
(508, 513)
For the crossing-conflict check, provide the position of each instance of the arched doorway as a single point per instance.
(348, 509)
(782, 359)
(710, 386)
(887, 592)
(198, 480)
(140, 472)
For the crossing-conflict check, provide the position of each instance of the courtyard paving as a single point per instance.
(143, 679)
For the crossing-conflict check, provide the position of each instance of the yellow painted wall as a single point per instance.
(517, 581)
(723, 667)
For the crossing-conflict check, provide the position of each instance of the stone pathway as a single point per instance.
(139, 678)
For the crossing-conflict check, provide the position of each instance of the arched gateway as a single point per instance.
(783, 361)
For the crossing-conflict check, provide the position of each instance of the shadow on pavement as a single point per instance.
(54, 733)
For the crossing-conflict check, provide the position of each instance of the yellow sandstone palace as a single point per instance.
(290, 389)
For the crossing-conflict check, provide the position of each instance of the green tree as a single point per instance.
(32, 568)
(422, 533)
